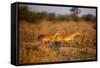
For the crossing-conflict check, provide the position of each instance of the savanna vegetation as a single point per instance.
(33, 24)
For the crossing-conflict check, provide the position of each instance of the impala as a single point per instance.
(49, 39)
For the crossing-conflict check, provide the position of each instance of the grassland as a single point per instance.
(31, 50)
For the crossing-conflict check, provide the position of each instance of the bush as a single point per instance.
(89, 17)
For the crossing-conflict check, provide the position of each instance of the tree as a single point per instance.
(23, 12)
(74, 13)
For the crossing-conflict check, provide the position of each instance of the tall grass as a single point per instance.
(32, 51)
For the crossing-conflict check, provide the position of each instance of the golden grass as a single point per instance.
(31, 50)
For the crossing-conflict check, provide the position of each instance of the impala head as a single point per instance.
(71, 37)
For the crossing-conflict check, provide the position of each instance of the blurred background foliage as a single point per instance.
(32, 16)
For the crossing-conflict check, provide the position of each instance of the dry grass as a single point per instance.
(32, 51)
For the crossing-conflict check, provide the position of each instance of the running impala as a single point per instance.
(47, 38)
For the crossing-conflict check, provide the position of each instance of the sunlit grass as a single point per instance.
(31, 50)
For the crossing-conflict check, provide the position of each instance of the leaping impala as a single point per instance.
(47, 38)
